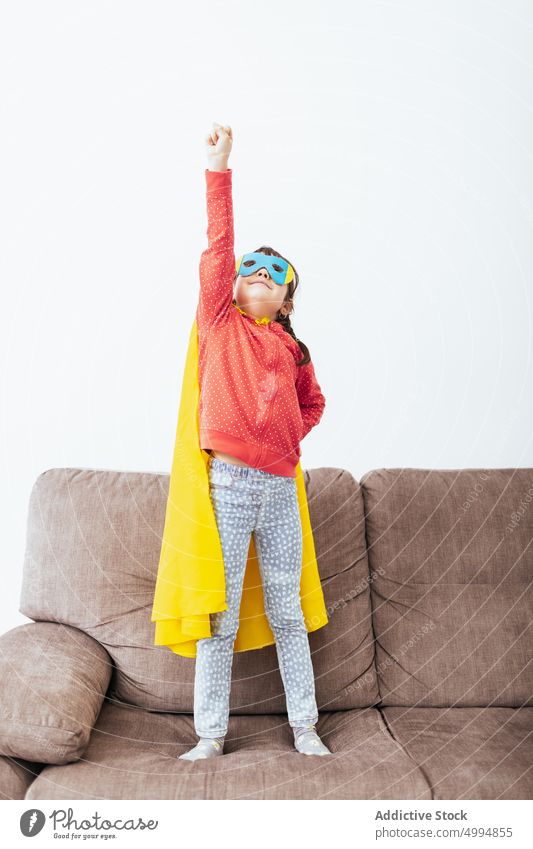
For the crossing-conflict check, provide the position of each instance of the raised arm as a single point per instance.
(217, 262)
(310, 397)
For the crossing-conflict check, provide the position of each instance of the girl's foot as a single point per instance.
(307, 741)
(207, 747)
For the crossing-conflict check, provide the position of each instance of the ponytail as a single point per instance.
(285, 322)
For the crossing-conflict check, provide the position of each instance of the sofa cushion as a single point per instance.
(133, 755)
(93, 543)
(451, 563)
(469, 753)
(58, 677)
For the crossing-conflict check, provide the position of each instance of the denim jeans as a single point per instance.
(247, 500)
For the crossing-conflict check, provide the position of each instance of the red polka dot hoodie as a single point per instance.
(255, 402)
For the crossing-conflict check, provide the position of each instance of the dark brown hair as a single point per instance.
(285, 320)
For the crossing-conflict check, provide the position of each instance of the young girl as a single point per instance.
(259, 398)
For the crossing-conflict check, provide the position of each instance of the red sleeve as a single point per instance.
(217, 262)
(312, 401)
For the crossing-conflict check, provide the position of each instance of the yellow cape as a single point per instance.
(190, 580)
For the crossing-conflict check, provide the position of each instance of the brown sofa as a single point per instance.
(423, 674)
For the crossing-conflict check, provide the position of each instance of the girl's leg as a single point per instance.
(278, 541)
(214, 659)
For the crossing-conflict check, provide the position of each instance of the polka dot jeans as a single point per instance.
(245, 501)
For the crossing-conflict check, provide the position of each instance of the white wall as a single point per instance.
(385, 147)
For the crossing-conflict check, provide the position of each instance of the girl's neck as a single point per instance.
(259, 320)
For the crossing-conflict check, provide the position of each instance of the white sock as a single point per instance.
(307, 741)
(207, 747)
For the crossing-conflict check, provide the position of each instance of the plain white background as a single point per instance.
(384, 147)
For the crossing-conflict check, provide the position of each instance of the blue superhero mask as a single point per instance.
(279, 269)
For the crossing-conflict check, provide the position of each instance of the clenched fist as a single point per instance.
(218, 147)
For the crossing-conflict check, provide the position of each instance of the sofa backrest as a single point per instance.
(451, 561)
(92, 552)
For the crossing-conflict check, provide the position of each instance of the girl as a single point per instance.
(259, 398)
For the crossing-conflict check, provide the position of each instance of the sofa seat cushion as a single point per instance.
(132, 754)
(469, 753)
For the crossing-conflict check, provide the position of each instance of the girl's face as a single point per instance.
(259, 295)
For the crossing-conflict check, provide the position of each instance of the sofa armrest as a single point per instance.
(55, 678)
(16, 776)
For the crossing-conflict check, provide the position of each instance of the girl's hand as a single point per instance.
(218, 147)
